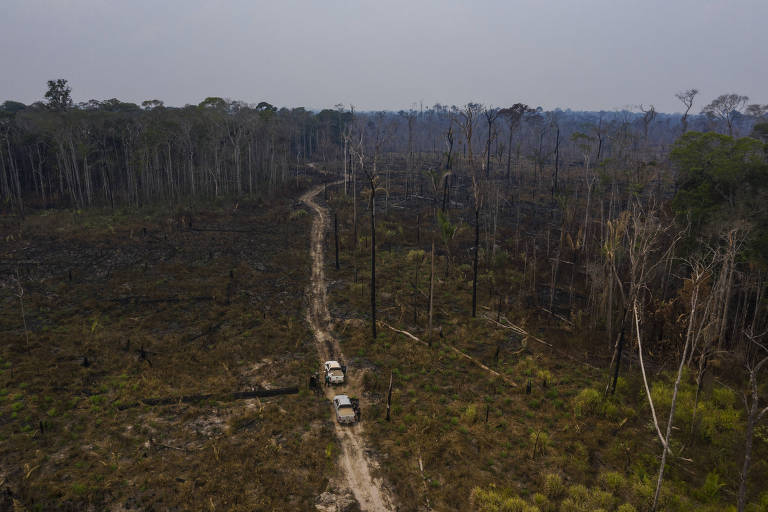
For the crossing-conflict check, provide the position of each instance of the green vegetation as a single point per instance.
(723, 182)
(599, 449)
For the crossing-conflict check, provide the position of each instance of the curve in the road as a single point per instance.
(355, 465)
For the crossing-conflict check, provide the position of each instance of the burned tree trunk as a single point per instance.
(755, 414)
(431, 288)
(618, 361)
(373, 259)
(477, 249)
(336, 237)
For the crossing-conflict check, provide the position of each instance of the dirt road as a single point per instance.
(354, 463)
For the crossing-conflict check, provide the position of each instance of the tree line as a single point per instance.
(107, 153)
(112, 153)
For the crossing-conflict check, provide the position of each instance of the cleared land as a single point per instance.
(122, 306)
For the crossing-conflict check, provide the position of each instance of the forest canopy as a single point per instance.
(723, 181)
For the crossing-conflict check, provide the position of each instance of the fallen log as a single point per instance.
(462, 354)
(527, 335)
(210, 330)
(223, 230)
(137, 299)
(238, 395)
(518, 330)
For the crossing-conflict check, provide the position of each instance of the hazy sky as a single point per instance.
(387, 54)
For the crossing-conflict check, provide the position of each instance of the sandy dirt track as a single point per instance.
(354, 463)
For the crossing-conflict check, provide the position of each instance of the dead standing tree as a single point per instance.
(701, 319)
(646, 235)
(584, 143)
(373, 181)
(700, 273)
(410, 117)
(649, 115)
(635, 236)
(20, 295)
(371, 174)
(448, 168)
(513, 115)
(467, 120)
(755, 360)
(490, 114)
(477, 197)
(686, 97)
(555, 123)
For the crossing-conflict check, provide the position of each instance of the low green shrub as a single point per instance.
(470, 414)
(538, 442)
(542, 502)
(612, 481)
(599, 499)
(498, 500)
(709, 490)
(587, 403)
(553, 486)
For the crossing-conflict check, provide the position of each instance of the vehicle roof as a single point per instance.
(342, 399)
(332, 363)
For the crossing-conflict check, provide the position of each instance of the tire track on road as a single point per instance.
(355, 464)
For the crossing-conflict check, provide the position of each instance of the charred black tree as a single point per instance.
(477, 249)
(336, 237)
(618, 361)
(490, 116)
(373, 258)
(557, 160)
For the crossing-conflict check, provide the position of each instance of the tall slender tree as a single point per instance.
(686, 97)
(467, 121)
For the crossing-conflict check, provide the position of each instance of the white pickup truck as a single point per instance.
(334, 372)
(345, 410)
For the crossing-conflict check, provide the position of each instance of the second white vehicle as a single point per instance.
(334, 372)
(345, 409)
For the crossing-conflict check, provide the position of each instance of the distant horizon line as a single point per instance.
(424, 107)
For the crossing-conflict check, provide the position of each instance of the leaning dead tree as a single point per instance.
(755, 362)
(20, 295)
(700, 273)
(638, 246)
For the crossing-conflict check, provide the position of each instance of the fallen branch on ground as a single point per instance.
(527, 335)
(558, 316)
(518, 330)
(478, 363)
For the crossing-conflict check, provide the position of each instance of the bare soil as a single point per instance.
(357, 467)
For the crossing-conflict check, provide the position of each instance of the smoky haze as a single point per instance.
(586, 54)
